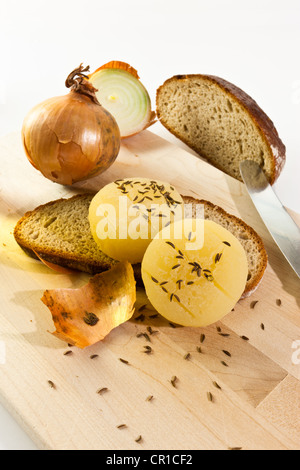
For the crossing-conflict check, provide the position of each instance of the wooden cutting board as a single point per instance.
(258, 405)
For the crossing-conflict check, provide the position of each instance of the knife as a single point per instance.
(281, 226)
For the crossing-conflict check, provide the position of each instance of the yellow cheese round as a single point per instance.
(126, 215)
(194, 278)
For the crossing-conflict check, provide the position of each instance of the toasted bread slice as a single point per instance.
(59, 232)
(221, 123)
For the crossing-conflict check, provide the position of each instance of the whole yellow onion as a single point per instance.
(71, 138)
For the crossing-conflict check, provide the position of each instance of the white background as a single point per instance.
(254, 44)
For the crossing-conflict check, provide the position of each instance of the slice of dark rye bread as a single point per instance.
(221, 123)
(59, 232)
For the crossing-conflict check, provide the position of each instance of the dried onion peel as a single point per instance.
(121, 92)
(71, 138)
(85, 316)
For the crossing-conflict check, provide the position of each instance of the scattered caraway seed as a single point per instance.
(224, 363)
(139, 439)
(147, 337)
(123, 360)
(210, 397)
(148, 350)
(93, 356)
(70, 345)
(141, 317)
(102, 390)
(142, 308)
(218, 257)
(122, 426)
(154, 316)
(219, 329)
(245, 338)
(67, 353)
(199, 349)
(51, 384)
(262, 326)
(253, 303)
(215, 384)
(90, 319)
(278, 302)
(176, 266)
(225, 335)
(152, 332)
(187, 356)
(227, 353)
(171, 244)
(149, 398)
(174, 381)
(202, 338)
(139, 335)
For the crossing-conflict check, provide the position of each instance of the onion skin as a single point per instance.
(117, 64)
(84, 316)
(70, 138)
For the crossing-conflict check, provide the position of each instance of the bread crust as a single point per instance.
(71, 262)
(263, 123)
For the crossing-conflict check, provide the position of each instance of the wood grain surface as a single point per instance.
(257, 405)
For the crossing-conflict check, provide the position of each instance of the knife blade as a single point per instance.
(281, 226)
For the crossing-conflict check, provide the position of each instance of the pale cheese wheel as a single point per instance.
(196, 278)
(126, 215)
